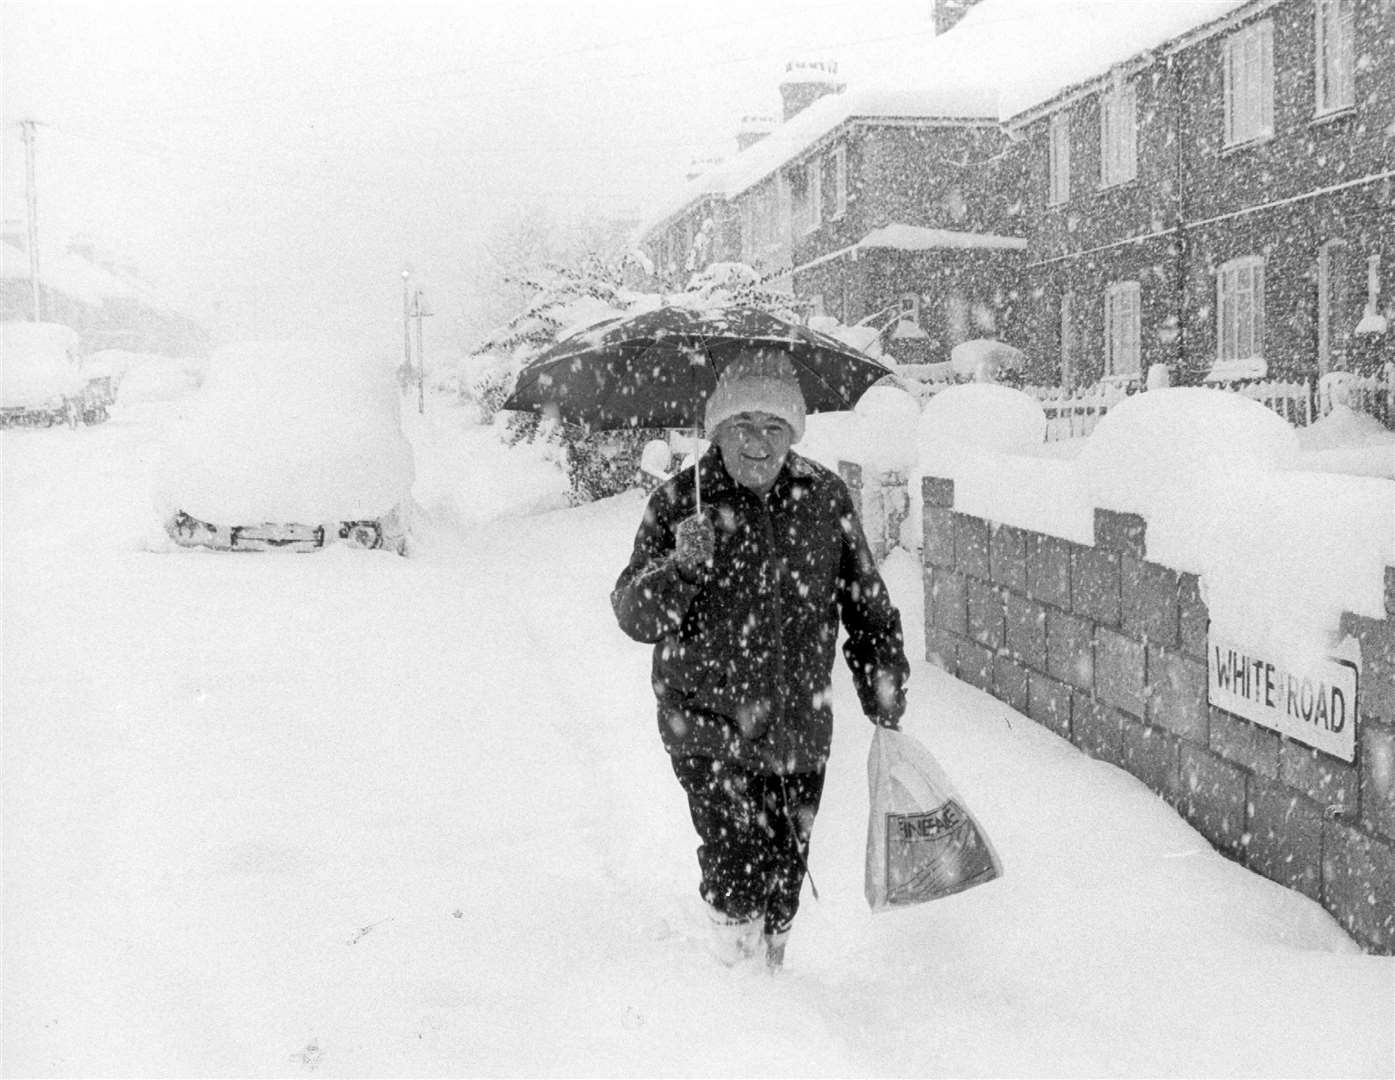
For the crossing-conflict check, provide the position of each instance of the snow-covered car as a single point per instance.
(40, 382)
(290, 447)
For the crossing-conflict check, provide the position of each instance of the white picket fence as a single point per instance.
(1291, 400)
(1073, 413)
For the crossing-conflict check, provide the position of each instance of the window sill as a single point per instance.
(1332, 116)
(1249, 144)
(1224, 371)
(1115, 184)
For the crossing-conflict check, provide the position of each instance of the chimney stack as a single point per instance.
(806, 81)
(946, 13)
(698, 166)
(752, 130)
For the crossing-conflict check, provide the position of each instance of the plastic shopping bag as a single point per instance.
(922, 842)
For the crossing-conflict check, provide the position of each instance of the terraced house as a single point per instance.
(1209, 186)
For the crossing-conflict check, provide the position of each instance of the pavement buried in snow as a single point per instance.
(351, 814)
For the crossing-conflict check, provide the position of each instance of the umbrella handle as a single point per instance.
(697, 471)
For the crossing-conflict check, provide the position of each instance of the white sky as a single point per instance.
(279, 164)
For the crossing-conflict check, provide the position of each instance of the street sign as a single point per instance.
(1313, 703)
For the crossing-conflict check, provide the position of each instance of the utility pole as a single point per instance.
(31, 205)
(419, 313)
(406, 320)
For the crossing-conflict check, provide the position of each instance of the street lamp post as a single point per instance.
(406, 319)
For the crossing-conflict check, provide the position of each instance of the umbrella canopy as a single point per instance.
(656, 369)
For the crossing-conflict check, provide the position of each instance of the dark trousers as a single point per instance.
(755, 830)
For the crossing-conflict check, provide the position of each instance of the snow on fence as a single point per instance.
(1291, 400)
(1373, 394)
(1074, 413)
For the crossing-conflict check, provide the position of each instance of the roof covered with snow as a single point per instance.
(1004, 58)
(75, 275)
(1036, 49)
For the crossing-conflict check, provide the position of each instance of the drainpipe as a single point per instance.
(1180, 241)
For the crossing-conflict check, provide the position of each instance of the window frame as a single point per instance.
(1070, 340)
(1123, 330)
(839, 155)
(1119, 134)
(1333, 271)
(1330, 16)
(806, 213)
(1235, 307)
(1058, 159)
(1248, 77)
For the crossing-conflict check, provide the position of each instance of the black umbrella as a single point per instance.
(656, 369)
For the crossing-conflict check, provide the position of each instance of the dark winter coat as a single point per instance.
(743, 650)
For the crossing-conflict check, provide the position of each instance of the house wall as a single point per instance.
(936, 176)
(1159, 229)
(1108, 650)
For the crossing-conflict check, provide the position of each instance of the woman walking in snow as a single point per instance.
(742, 605)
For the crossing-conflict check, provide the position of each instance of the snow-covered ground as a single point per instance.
(350, 814)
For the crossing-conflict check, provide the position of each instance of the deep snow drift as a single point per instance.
(350, 814)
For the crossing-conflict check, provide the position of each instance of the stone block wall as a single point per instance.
(1108, 650)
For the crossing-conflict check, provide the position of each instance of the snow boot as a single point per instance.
(732, 941)
(775, 951)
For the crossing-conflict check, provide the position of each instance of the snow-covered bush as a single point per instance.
(1154, 444)
(963, 420)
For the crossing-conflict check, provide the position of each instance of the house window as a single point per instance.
(1118, 136)
(1122, 328)
(840, 181)
(1249, 84)
(804, 189)
(1334, 326)
(1240, 316)
(1070, 341)
(1336, 49)
(1058, 160)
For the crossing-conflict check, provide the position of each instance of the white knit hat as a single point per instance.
(758, 381)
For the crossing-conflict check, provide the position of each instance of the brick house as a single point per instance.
(837, 206)
(1209, 188)
(1218, 204)
(109, 306)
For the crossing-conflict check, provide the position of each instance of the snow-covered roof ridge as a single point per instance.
(1003, 59)
(74, 274)
(1041, 48)
(800, 134)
